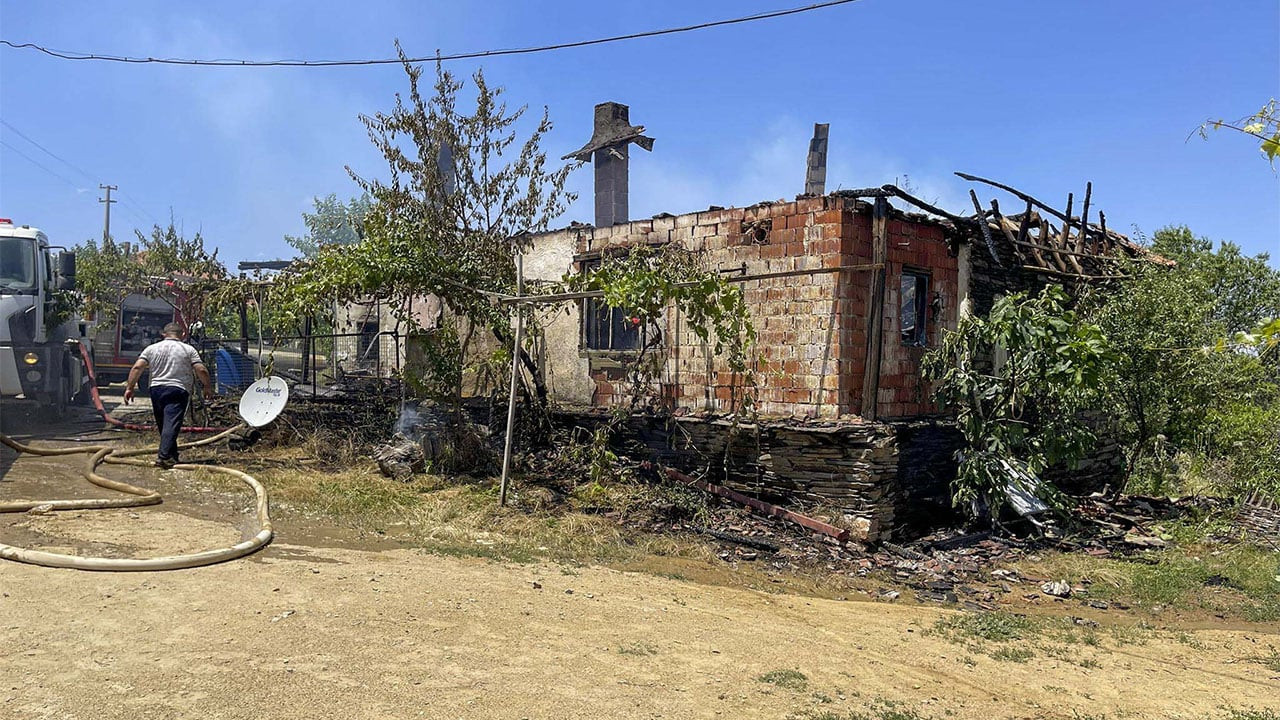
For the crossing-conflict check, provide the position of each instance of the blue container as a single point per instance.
(232, 370)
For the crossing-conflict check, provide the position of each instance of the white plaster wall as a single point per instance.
(567, 371)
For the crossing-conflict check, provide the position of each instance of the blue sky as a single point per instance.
(1042, 95)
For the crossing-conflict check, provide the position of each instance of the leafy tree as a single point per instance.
(646, 282)
(1243, 290)
(1022, 415)
(460, 188)
(1177, 381)
(163, 263)
(333, 223)
(106, 273)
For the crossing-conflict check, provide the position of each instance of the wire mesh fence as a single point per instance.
(314, 360)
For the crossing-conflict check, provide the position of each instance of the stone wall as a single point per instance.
(851, 467)
(926, 467)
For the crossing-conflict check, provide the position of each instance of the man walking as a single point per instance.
(174, 366)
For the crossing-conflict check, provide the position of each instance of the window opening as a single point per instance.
(915, 305)
(606, 328)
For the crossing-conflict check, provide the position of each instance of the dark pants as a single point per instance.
(169, 404)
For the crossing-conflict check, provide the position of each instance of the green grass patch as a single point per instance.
(1251, 714)
(1237, 580)
(1012, 654)
(1006, 637)
(789, 679)
(992, 626)
(877, 709)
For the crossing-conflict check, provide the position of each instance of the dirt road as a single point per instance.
(300, 631)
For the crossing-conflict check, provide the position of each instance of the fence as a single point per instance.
(309, 359)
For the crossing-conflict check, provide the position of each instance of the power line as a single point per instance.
(73, 55)
(60, 176)
(47, 151)
(132, 207)
(35, 162)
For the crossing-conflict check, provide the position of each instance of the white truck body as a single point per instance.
(39, 363)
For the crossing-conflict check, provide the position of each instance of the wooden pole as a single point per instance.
(243, 310)
(511, 392)
(306, 349)
(875, 309)
(1082, 242)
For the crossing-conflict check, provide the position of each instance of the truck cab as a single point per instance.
(39, 330)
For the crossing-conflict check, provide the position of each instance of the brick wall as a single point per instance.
(811, 329)
(922, 247)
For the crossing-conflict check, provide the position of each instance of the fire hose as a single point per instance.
(100, 454)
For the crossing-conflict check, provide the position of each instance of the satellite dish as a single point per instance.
(263, 400)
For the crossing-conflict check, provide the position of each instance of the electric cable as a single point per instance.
(74, 55)
(127, 200)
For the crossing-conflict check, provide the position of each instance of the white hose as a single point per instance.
(142, 496)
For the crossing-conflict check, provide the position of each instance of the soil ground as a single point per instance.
(325, 624)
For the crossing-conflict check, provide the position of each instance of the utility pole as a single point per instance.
(106, 223)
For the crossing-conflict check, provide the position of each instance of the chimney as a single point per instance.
(608, 150)
(815, 177)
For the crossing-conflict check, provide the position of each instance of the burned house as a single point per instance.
(848, 291)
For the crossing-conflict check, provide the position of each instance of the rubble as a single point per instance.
(400, 458)
(1056, 588)
(953, 566)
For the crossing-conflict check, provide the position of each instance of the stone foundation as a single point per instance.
(891, 479)
(882, 476)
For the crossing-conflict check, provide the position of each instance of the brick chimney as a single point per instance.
(815, 178)
(608, 150)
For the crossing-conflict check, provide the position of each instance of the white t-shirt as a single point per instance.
(171, 362)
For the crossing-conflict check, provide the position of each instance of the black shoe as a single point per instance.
(165, 463)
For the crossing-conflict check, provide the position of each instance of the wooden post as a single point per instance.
(875, 309)
(244, 324)
(964, 281)
(511, 392)
(1082, 243)
(306, 348)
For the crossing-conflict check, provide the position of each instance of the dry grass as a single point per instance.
(454, 517)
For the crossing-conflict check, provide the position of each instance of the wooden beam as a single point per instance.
(986, 229)
(1035, 247)
(1025, 224)
(1064, 242)
(1080, 276)
(1048, 242)
(583, 294)
(928, 207)
(1016, 193)
(1083, 238)
(840, 535)
(1000, 223)
(875, 308)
